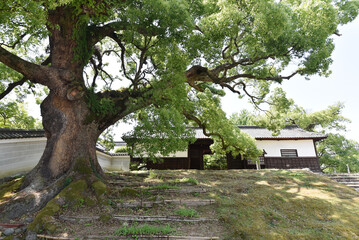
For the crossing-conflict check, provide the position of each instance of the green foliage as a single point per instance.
(214, 162)
(284, 111)
(336, 152)
(123, 149)
(14, 115)
(186, 212)
(144, 230)
(100, 106)
(150, 44)
(227, 137)
(159, 131)
(106, 139)
(244, 117)
(188, 180)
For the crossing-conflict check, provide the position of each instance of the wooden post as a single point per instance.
(348, 168)
(258, 165)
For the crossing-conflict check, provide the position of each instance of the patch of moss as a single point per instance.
(129, 192)
(82, 166)
(9, 188)
(100, 188)
(74, 193)
(105, 218)
(8, 238)
(90, 202)
(43, 218)
(164, 186)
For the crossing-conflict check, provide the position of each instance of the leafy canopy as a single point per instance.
(14, 115)
(165, 63)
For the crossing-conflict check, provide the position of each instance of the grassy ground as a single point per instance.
(249, 204)
(279, 204)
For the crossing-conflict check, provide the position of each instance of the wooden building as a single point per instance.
(292, 148)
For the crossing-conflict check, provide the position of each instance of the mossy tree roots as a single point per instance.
(69, 156)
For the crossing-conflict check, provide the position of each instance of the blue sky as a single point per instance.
(320, 92)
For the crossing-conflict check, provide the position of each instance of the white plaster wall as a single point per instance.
(113, 163)
(104, 160)
(21, 155)
(180, 154)
(305, 148)
(120, 163)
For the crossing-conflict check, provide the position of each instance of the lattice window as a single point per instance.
(289, 152)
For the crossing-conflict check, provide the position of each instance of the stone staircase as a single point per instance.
(182, 205)
(349, 179)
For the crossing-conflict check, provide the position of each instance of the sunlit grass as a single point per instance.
(280, 204)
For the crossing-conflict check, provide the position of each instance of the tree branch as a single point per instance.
(11, 86)
(16, 42)
(125, 102)
(31, 71)
(97, 33)
(203, 126)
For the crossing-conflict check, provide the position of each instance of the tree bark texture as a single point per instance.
(70, 151)
(69, 138)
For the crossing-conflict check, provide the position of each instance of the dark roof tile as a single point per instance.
(8, 133)
(261, 133)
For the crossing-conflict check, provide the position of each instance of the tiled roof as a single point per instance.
(120, 154)
(8, 133)
(120, 144)
(261, 133)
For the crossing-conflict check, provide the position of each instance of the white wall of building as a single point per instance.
(21, 155)
(305, 148)
(113, 163)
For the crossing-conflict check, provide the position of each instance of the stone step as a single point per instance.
(179, 190)
(149, 204)
(140, 237)
(340, 174)
(346, 179)
(350, 183)
(136, 218)
(149, 184)
(175, 189)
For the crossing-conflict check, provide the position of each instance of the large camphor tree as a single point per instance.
(163, 62)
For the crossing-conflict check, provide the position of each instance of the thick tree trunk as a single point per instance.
(69, 138)
(70, 153)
